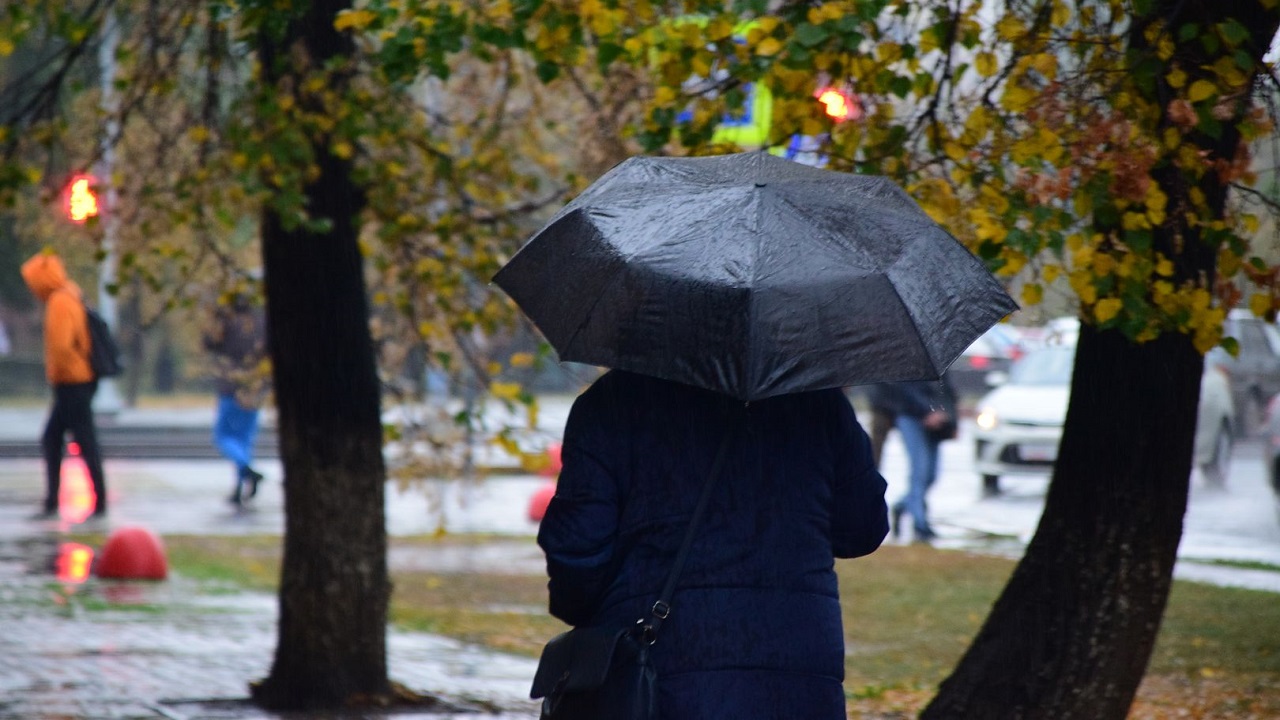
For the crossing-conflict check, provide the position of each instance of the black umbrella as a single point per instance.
(754, 276)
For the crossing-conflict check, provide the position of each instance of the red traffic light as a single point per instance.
(81, 198)
(838, 104)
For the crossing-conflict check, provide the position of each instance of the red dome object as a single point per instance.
(554, 464)
(133, 553)
(541, 498)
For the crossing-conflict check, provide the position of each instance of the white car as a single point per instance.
(1019, 423)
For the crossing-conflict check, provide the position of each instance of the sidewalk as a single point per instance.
(187, 650)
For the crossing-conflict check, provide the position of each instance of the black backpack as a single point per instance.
(104, 354)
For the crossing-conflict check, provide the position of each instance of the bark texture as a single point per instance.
(334, 587)
(1071, 635)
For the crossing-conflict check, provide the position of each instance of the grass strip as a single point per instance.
(909, 614)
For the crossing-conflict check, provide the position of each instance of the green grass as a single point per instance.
(909, 614)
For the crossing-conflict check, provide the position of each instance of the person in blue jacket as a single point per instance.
(755, 626)
(925, 415)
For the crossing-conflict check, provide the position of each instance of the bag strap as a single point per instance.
(662, 608)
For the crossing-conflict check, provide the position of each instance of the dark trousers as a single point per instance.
(72, 410)
(881, 423)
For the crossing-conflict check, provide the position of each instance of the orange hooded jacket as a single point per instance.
(66, 329)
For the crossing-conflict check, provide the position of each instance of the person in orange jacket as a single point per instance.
(66, 362)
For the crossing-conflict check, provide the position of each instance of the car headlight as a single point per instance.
(987, 419)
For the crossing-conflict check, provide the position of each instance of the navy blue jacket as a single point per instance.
(755, 629)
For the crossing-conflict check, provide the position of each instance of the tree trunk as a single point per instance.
(1071, 635)
(334, 587)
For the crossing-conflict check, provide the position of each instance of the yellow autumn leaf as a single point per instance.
(1164, 267)
(522, 360)
(1260, 304)
(1010, 27)
(1032, 294)
(1017, 98)
(986, 64)
(769, 47)
(6, 47)
(1176, 78)
(353, 19)
(1045, 64)
(1060, 15)
(1201, 90)
(1051, 273)
(505, 390)
(1106, 309)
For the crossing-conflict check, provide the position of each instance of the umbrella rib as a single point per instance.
(749, 368)
(916, 335)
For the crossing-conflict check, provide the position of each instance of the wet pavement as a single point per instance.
(80, 647)
(186, 650)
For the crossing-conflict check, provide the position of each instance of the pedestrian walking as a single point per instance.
(236, 338)
(66, 361)
(882, 418)
(926, 415)
(758, 630)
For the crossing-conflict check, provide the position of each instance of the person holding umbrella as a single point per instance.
(734, 297)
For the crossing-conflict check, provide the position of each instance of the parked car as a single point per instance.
(1255, 370)
(1272, 456)
(993, 351)
(1019, 423)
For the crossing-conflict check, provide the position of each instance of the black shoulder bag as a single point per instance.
(604, 673)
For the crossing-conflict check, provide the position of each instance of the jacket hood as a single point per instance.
(44, 273)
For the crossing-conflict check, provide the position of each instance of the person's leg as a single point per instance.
(922, 457)
(80, 422)
(233, 434)
(51, 445)
(881, 424)
(249, 436)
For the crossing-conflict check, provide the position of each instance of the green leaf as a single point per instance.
(607, 53)
(810, 35)
(1231, 345)
(900, 86)
(1233, 32)
(548, 71)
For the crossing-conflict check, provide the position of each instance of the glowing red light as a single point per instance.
(76, 497)
(74, 562)
(979, 362)
(838, 105)
(81, 198)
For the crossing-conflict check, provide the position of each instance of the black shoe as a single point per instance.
(235, 499)
(895, 521)
(925, 537)
(252, 477)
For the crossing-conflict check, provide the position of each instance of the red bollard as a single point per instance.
(133, 553)
(554, 464)
(541, 498)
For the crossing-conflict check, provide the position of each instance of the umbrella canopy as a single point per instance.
(754, 276)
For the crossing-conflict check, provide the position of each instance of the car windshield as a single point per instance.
(1051, 366)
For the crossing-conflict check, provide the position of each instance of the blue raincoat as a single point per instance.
(755, 628)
